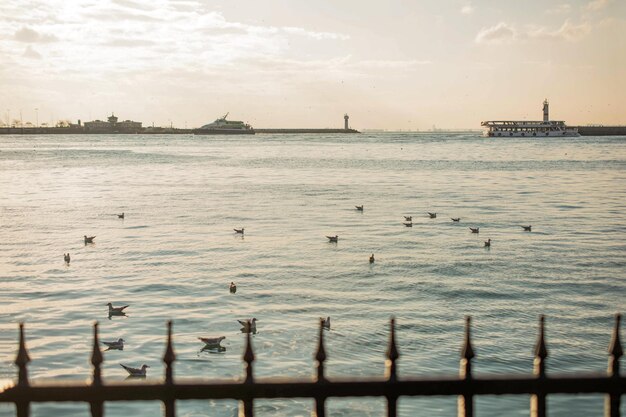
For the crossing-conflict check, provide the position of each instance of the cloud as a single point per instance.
(128, 43)
(31, 53)
(31, 36)
(503, 33)
(316, 35)
(562, 8)
(597, 4)
(391, 64)
(500, 33)
(568, 32)
(467, 9)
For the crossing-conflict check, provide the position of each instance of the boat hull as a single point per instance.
(223, 132)
(556, 134)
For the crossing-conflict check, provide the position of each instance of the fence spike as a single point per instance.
(22, 359)
(169, 357)
(465, 407)
(320, 355)
(467, 352)
(615, 347)
(538, 407)
(541, 351)
(248, 357)
(392, 352)
(96, 357)
(612, 402)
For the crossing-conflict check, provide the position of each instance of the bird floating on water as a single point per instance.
(325, 322)
(89, 239)
(456, 219)
(475, 229)
(359, 208)
(117, 345)
(432, 215)
(248, 325)
(120, 216)
(409, 224)
(333, 238)
(240, 231)
(408, 218)
(372, 259)
(134, 371)
(526, 228)
(212, 341)
(66, 258)
(116, 310)
(233, 288)
(488, 243)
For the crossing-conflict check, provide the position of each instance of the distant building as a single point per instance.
(112, 125)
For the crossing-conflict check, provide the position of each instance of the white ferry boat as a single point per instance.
(517, 128)
(222, 126)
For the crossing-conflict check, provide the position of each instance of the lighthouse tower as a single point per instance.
(345, 120)
(546, 118)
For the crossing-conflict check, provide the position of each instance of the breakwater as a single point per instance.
(146, 131)
(279, 131)
(602, 130)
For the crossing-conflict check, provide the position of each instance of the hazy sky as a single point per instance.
(290, 63)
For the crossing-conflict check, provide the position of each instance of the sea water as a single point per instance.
(174, 254)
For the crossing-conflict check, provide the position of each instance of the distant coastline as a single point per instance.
(583, 130)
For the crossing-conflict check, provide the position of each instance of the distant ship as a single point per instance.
(222, 126)
(543, 128)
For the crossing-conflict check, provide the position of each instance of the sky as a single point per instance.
(393, 64)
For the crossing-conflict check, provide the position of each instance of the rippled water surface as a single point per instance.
(174, 254)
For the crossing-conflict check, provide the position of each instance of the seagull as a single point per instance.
(325, 322)
(240, 231)
(118, 345)
(372, 259)
(409, 224)
(458, 219)
(212, 341)
(333, 238)
(116, 310)
(432, 215)
(135, 371)
(248, 325)
(488, 243)
(120, 216)
(66, 258)
(233, 288)
(474, 230)
(526, 228)
(359, 208)
(89, 239)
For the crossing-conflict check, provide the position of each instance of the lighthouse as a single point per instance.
(345, 120)
(546, 118)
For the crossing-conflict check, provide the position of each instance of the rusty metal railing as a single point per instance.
(466, 387)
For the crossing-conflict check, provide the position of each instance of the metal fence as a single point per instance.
(466, 386)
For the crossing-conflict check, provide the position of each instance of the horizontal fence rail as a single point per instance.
(465, 387)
